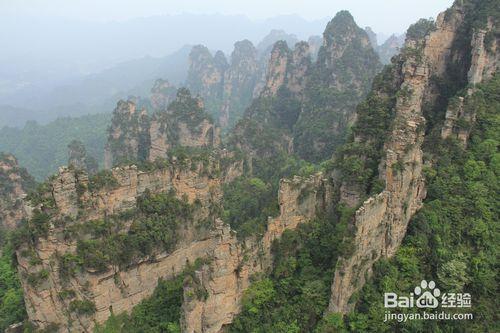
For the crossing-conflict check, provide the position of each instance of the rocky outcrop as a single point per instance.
(344, 42)
(79, 159)
(205, 73)
(162, 94)
(297, 75)
(137, 136)
(485, 60)
(339, 79)
(380, 222)
(239, 82)
(226, 88)
(277, 68)
(287, 69)
(15, 182)
(305, 108)
(185, 124)
(233, 263)
(78, 201)
(74, 201)
(390, 48)
(129, 127)
(206, 77)
(458, 119)
(203, 135)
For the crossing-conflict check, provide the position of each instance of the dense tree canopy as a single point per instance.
(43, 148)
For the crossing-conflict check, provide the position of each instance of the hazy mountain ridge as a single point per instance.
(96, 96)
(388, 48)
(94, 50)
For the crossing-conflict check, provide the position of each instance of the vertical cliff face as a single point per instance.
(72, 280)
(70, 285)
(233, 263)
(277, 68)
(342, 40)
(380, 223)
(98, 244)
(204, 73)
(301, 62)
(206, 77)
(338, 81)
(485, 60)
(162, 94)
(306, 107)
(128, 127)
(135, 136)
(287, 68)
(226, 88)
(184, 123)
(15, 182)
(239, 82)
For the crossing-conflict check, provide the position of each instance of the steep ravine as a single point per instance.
(234, 263)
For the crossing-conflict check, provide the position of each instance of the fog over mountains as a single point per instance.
(68, 67)
(49, 57)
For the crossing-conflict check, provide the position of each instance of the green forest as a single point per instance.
(452, 240)
(41, 149)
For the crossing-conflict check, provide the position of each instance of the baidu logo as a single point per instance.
(427, 295)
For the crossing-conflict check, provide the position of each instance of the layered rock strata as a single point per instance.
(233, 263)
(116, 289)
(287, 68)
(380, 222)
(15, 182)
(136, 136)
(119, 289)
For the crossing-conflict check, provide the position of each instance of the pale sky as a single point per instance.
(385, 16)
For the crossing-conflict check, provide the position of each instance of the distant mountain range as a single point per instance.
(94, 93)
(60, 68)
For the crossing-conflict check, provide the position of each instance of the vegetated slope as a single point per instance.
(43, 148)
(15, 182)
(12, 308)
(306, 107)
(226, 85)
(451, 240)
